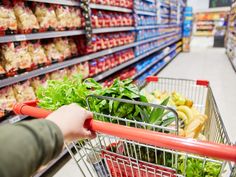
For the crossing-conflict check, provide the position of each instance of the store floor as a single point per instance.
(212, 64)
(203, 62)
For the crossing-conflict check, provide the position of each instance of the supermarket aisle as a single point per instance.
(205, 62)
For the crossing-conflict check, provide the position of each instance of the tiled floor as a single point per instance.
(203, 62)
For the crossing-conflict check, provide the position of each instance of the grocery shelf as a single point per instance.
(140, 12)
(140, 85)
(54, 34)
(44, 35)
(128, 63)
(165, 5)
(110, 8)
(152, 1)
(151, 64)
(62, 2)
(53, 67)
(113, 29)
(156, 26)
(161, 68)
(53, 162)
(173, 16)
(165, 16)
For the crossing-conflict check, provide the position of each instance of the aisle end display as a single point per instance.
(187, 28)
(206, 22)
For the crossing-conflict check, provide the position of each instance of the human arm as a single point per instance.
(25, 146)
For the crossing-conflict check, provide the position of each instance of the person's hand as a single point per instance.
(70, 119)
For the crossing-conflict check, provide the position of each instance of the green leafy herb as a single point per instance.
(194, 167)
(156, 114)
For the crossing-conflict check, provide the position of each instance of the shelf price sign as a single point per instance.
(219, 3)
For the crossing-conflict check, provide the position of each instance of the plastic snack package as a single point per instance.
(52, 52)
(40, 81)
(73, 47)
(59, 74)
(84, 69)
(46, 17)
(23, 57)
(62, 45)
(2, 72)
(8, 23)
(8, 61)
(37, 54)
(7, 100)
(73, 70)
(63, 17)
(24, 92)
(76, 18)
(93, 68)
(26, 20)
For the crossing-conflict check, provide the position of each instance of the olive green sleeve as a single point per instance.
(25, 146)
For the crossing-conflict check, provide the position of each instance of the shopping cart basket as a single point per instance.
(121, 150)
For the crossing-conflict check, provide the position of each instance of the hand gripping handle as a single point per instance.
(209, 149)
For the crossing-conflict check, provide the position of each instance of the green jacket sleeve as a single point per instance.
(25, 146)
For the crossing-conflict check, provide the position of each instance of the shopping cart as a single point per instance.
(125, 147)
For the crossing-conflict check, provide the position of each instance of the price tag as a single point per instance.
(20, 37)
(14, 119)
(110, 51)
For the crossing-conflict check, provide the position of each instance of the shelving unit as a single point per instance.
(55, 34)
(124, 65)
(145, 13)
(140, 81)
(157, 24)
(61, 2)
(206, 22)
(155, 62)
(53, 67)
(231, 36)
(110, 8)
(34, 36)
(159, 70)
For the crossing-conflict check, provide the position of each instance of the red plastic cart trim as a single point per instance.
(219, 151)
(152, 79)
(202, 82)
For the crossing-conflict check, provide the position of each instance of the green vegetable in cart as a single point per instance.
(194, 167)
(75, 90)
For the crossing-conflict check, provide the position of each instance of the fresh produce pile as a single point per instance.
(75, 90)
(191, 120)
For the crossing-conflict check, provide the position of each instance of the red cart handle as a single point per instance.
(219, 151)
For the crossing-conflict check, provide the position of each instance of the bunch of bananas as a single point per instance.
(192, 120)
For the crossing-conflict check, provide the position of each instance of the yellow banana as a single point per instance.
(182, 116)
(181, 132)
(157, 94)
(189, 103)
(193, 129)
(201, 117)
(202, 137)
(187, 111)
(195, 111)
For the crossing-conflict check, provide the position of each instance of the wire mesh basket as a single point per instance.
(135, 147)
(113, 156)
